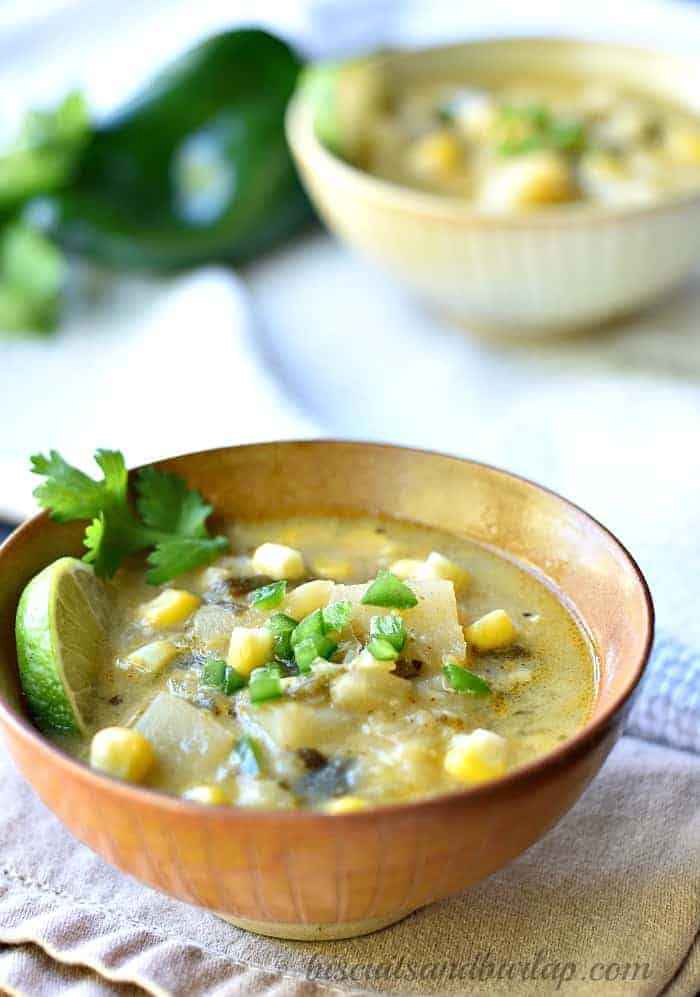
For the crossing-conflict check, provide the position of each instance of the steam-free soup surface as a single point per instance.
(349, 729)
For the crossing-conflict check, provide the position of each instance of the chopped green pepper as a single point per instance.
(281, 626)
(462, 680)
(217, 673)
(265, 683)
(388, 627)
(390, 592)
(214, 672)
(268, 596)
(337, 615)
(382, 649)
(307, 650)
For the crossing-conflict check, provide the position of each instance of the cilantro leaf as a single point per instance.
(172, 517)
(67, 492)
(174, 555)
(165, 503)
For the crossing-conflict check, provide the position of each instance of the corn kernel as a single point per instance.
(477, 757)
(407, 567)
(123, 753)
(494, 630)
(170, 607)
(345, 805)
(277, 561)
(249, 648)
(152, 658)
(213, 796)
(539, 178)
(683, 145)
(437, 154)
(307, 598)
(438, 567)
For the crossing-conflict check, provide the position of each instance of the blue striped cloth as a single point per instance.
(667, 706)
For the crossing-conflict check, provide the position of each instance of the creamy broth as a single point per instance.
(350, 728)
(530, 143)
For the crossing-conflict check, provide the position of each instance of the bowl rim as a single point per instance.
(579, 743)
(307, 149)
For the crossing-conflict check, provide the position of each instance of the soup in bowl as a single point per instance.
(394, 646)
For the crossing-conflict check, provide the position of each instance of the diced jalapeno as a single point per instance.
(462, 680)
(281, 626)
(337, 615)
(214, 672)
(389, 627)
(382, 649)
(265, 683)
(233, 681)
(389, 592)
(268, 596)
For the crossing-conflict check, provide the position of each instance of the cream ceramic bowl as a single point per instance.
(311, 875)
(537, 273)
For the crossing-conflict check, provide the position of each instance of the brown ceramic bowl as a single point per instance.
(310, 875)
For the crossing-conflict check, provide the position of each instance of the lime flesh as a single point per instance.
(61, 634)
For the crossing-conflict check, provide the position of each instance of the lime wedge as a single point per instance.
(61, 633)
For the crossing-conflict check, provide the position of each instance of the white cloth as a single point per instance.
(151, 367)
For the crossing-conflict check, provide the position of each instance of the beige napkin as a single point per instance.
(614, 889)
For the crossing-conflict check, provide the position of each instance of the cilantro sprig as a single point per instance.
(169, 517)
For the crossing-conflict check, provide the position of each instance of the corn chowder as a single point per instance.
(333, 664)
(533, 144)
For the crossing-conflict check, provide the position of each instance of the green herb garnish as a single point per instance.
(281, 626)
(462, 680)
(268, 596)
(248, 753)
(533, 127)
(389, 592)
(265, 683)
(169, 516)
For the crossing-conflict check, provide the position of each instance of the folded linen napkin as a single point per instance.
(607, 903)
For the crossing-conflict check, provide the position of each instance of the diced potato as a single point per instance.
(477, 757)
(436, 566)
(532, 180)
(294, 725)
(307, 598)
(432, 626)
(249, 648)
(407, 567)
(189, 744)
(170, 607)
(212, 626)
(277, 561)
(492, 631)
(123, 753)
(264, 794)
(209, 794)
(437, 154)
(366, 689)
(345, 805)
(683, 144)
(226, 568)
(331, 567)
(153, 657)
